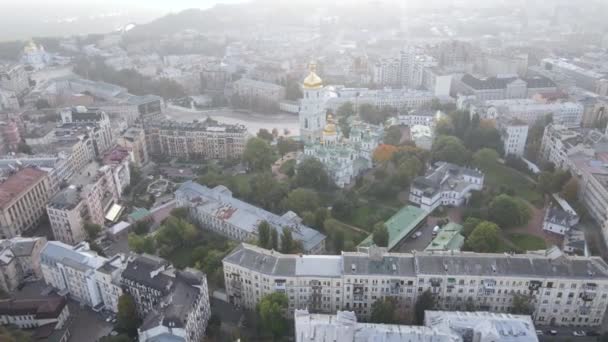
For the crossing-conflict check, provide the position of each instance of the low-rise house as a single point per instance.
(215, 209)
(445, 184)
(447, 239)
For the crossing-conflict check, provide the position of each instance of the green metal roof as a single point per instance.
(139, 214)
(448, 238)
(400, 225)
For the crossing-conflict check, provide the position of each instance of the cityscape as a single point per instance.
(304, 171)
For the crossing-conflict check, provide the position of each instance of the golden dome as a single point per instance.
(330, 127)
(312, 81)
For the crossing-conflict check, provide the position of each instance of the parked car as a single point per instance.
(416, 235)
(436, 230)
(539, 332)
(592, 333)
(578, 333)
(551, 332)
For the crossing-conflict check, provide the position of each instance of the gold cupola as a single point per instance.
(312, 81)
(330, 127)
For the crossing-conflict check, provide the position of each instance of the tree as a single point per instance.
(570, 190)
(175, 233)
(24, 148)
(469, 225)
(141, 244)
(181, 213)
(271, 309)
(264, 235)
(10, 334)
(507, 211)
(485, 238)
(258, 155)
(409, 168)
(310, 173)
(485, 158)
(392, 136)
(449, 149)
(346, 109)
(380, 235)
(301, 200)
(274, 239)
(337, 240)
(384, 311)
(286, 145)
(343, 206)
(424, 302)
(266, 191)
(287, 243)
(127, 319)
(92, 230)
(265, 135)
(522, 305)
(384, 153)
(444, 127)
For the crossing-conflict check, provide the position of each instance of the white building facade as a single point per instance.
(563, 290)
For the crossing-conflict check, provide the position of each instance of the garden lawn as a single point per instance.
(527, 242)
(500, 175)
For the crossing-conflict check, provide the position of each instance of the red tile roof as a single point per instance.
(18, 182)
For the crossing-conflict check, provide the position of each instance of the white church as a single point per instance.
(344, 158)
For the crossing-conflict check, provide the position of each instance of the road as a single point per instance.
(564, 334)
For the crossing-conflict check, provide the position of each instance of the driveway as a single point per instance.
(419, 244)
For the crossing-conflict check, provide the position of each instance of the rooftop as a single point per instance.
(448, 238)
(531, 265)
(19, 182)
(66, 199)
(41, 308)
(400, 225)
(219, 203)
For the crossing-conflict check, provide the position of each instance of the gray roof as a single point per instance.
(140, 268)
(77, 256)
(218, 202)
(533, 265)
(445, 176)
(66, 199)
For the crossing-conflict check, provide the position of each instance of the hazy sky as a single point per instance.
(22, 19)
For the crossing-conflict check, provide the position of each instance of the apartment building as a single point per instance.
(564, 290)
(134, 139)
(90, 117)
(587, 79)
(568, 114)
(23, 196)
(208, 139)
(247, 88)
(445, 184)
(560, 142)
(173, 303)
(500, 88)
(397, 99)
(14, 78)
(34, 313)
(56, 166)
(82, 274)
(89, 198)
(420, 117)
(215, 209)
(439, 326)
(134, 108)
(19, 258)
(514, 134)
(182, 315)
